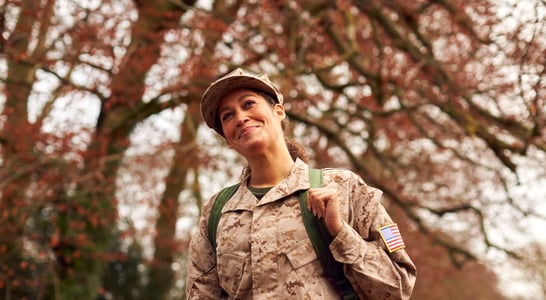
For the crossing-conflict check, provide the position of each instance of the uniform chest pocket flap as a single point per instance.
(302, 254)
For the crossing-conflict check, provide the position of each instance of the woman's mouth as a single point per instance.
(246, 131)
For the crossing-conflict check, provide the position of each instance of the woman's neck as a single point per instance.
(268, 170)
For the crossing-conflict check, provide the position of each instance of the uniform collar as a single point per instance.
(297, 180)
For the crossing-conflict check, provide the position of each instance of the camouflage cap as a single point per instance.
(236, 79)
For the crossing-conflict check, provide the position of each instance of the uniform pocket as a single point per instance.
(303, 276)
(306, 279)
(302, 254)
(232, 273)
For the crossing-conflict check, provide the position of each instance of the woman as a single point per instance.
(263, 250)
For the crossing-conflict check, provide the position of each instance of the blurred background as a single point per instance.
(105, 161)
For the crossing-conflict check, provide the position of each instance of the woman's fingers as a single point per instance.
(324, 203)
(319, 200)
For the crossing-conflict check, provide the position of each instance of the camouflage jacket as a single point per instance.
(264, 251)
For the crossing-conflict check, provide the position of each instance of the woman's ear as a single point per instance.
(279, 111)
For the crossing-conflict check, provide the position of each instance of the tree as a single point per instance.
(438, 103)
(534, 267)
(85, 206)
(437, 278)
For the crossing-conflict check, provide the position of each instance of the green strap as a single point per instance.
(216, 211)
(321, 239)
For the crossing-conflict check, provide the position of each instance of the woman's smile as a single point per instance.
(246, 131)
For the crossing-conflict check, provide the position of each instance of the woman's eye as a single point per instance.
(249, 103)
(226, 116)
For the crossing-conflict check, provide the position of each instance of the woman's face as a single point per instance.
(250, 123)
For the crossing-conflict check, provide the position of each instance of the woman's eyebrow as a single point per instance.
(241, 98)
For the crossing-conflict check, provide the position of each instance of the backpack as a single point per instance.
(315, 227)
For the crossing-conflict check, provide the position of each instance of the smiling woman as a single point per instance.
(262, 245)
(252, 126)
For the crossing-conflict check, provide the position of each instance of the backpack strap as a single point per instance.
(321, 239)
(216, 211)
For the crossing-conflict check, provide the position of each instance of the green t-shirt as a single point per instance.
(259, 192)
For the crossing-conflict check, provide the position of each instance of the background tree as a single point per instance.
(533, 270)
(438, 103)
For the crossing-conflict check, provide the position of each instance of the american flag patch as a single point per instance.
(392, 238)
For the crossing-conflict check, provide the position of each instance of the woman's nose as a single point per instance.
(241, 117)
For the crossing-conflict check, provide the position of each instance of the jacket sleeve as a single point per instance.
(202, 278)
(373, 271)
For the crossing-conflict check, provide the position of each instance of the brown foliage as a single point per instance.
(438, 103)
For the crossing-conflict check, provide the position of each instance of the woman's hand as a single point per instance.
(324, 203)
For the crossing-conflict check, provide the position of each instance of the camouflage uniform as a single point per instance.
(264, 251)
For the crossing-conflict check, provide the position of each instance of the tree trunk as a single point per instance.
(81, 260)
(166, 248)
(19, 159)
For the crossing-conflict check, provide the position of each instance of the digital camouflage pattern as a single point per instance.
(264, 252)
